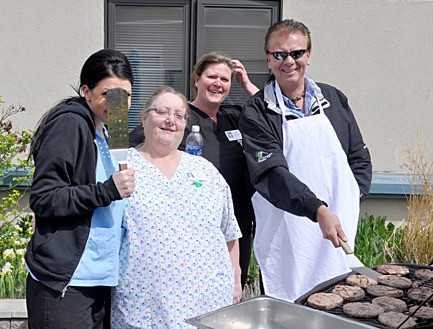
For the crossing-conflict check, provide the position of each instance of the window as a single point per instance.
(163, 39)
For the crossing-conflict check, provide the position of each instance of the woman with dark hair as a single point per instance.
(76, 196)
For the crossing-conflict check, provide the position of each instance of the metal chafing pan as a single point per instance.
(269, 313)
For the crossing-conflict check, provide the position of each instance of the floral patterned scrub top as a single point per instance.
(174, 261)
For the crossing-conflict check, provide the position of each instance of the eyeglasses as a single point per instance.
(178, 116)
(282, 55)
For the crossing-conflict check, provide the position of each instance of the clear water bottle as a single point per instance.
(194, 141)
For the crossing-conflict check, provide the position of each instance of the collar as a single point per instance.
(315, 101)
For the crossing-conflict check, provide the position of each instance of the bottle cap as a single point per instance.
(195, 129)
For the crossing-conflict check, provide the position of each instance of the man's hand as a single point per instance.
(330, 225)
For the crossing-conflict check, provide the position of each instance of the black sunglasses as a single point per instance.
(282, 55)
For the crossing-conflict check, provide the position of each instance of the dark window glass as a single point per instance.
(163, 39)
(237, 28)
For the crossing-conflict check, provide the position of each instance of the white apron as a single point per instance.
(291, 251)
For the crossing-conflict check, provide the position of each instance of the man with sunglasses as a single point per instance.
(309, 165)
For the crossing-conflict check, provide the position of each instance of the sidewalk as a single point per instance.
(13, 314)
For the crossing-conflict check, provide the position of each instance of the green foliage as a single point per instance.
(371, 240)
(13, 242)
(15, 229)
(15, 164)
(253, 268)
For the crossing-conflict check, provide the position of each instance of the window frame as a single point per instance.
(274, 5)
(193, 23)
(110, 26)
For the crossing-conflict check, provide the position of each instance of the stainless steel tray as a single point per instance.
(270, 313)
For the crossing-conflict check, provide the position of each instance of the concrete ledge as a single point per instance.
(13, 308)
(13, 314)
(387, 185)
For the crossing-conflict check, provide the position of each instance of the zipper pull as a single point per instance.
(64, 291)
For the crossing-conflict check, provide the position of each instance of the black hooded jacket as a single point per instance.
(64, 193)
(262, 135)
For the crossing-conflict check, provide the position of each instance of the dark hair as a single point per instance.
(214, 57)
(288, 26)
(103, 64)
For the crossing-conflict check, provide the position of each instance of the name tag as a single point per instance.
(195, 177)
(196, 180)
(233, 135)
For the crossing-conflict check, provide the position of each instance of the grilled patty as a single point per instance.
(390, 304)
(394, 319)
(381, 290)
(392, 269)
(325, 301)
(360, 280)
(349, 293)
(362, 310)
(395, 281)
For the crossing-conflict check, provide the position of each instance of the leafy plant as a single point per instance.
(15, 228)
(253, 268)
(371, 238)
(13, 242)
(252, 286)
(15, 164)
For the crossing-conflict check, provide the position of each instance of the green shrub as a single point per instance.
(15, 164)
(370, 242)
(253, 269)
(13, 243)
(15, 228)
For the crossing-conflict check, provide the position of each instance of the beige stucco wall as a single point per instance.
(394, 209)
(379, 52)
(43, 45)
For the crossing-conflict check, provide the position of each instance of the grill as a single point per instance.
(265, 312)
(327, 286)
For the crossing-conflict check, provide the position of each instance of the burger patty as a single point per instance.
(392, 269)
(381, 290)
(360, 280)
(325, 300)
(349, 293)
(362, 310)
(395, 281)
(424, 312)
(424, 274)
(420, 293)
(390, 304)
(394, 319)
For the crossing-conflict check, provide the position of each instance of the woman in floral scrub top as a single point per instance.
(179, 256)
